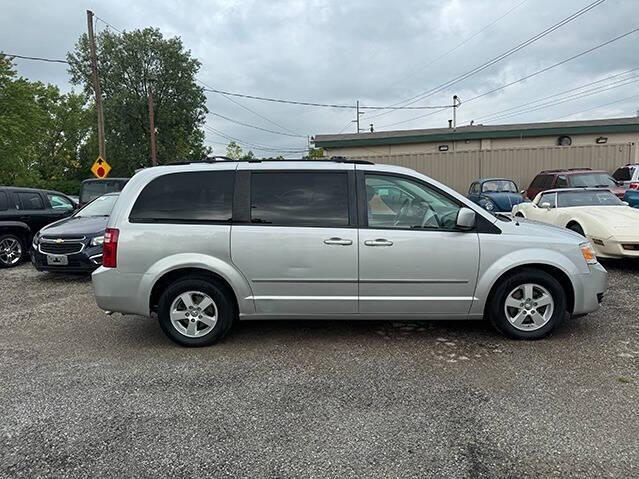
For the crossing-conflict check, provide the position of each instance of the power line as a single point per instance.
(501, 56)
(598, 106)
(534, 74)
(323, 105)
(273, 122)
(535, 104)
(40, 59)
(576, 96)
(489, 115)
(543, 70)
(253, 145)
(108, 24)
(255, 127)
(462, 43)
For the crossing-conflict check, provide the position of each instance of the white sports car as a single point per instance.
(610, 224)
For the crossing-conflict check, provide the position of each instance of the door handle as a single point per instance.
(378, 242)
(338, 241)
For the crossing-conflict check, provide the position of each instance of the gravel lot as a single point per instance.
(85, 395)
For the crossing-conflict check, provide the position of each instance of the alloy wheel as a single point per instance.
(193, 314)
(529, 307)
(10, 251)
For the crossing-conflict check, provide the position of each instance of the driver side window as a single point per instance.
(395, 202)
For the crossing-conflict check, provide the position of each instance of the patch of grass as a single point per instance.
(624, 379)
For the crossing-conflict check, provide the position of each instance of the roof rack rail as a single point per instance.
(222, 159)
(344, 159)
(585, 168)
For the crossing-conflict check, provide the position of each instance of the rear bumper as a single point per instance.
(590, 289)
(120, 292)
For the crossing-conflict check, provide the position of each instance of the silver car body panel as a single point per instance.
(293, 272)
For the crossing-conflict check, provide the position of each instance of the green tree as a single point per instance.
(130, 64)
(235, 152)
(316, 153)
(41, 132)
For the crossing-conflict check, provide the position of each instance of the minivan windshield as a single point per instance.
(587, 198)
(499, 186)
(592, 180)
(101, 206)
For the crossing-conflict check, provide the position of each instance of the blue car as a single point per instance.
(497, 195)
(632, 198)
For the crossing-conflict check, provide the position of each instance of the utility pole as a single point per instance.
(154, 159)
(358, 113)
(96, 85)
(456, 103)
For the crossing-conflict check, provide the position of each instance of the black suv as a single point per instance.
(23, 212)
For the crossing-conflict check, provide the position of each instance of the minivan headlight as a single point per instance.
(97, 241)
(588, 253)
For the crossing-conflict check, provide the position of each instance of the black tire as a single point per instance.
(577, 229)
(496, 308)
(5, 261)
(224, 304)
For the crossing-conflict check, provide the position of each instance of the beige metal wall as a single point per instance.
(458, 169)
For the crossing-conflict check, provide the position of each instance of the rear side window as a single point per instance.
(623, 174)
(542, 181)
(300, 198)
(4, 201)
(60, 202)
(30, 200)
(193, 197)
(562, 182)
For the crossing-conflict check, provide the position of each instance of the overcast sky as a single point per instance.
(377, 52)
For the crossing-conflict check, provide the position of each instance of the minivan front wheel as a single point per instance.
(195, 312)
(528, 305)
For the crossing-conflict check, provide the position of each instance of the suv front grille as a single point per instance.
(61, 248)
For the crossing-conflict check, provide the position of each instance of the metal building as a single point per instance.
(518, 151)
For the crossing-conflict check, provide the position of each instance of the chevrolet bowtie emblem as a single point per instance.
(59, 240)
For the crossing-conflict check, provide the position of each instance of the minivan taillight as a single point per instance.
(110, 248)
(634, 186)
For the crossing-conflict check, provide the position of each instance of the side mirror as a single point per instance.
(522, 192)
(545, 205)
(465, 219)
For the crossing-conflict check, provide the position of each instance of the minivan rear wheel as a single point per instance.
(195, 312)
(528, 305)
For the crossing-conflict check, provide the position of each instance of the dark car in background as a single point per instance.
(74, 245)
(632, 197)
(497, 195)
(574, 178)
(94, 188)
(24, 211)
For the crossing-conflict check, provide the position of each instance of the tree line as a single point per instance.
(48, 138)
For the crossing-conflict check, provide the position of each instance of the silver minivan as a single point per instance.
(202, 245)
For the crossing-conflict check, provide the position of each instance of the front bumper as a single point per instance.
(590, 289)
(616, 247)
(86, 261)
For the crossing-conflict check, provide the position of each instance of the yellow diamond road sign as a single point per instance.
(100, 168)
